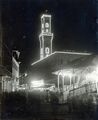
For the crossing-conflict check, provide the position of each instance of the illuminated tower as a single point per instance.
(45, 36)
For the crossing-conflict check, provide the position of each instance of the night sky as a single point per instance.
(73, 25)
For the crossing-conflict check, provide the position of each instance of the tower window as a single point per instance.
(47, 25)
(47, 50)
(42, 25)
(41, 51)
(46, 30)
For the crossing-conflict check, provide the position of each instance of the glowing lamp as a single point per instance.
(37, 83)
(97, 69)
(65, 73)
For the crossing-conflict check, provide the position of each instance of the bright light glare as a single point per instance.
(92, 76)
(37, 83)
(26, 74)
(65, 73)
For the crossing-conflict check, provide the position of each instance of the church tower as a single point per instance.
(45, 36)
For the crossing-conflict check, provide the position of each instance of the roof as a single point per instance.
(45, 15)
(56, 61)
(60, 52)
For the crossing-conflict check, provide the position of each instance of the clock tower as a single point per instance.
(45, 36)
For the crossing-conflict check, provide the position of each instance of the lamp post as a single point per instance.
(21, 77)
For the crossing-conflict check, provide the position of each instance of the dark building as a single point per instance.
(5, 57)
(9, 67)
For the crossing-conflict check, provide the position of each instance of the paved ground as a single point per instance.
(49, 112)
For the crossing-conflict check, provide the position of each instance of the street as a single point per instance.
(16, 106)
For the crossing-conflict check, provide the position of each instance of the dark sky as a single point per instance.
(73, 25)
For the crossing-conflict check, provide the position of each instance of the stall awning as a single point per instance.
(54, 62)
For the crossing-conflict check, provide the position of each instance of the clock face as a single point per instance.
(47, 25)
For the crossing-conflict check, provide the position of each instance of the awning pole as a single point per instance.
(70, 81)
(96, 87)
(63, 83)
(58, 81)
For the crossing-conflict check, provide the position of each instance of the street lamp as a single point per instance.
(22, 76)
(25, 74)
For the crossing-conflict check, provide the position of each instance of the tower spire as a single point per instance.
(46, 11)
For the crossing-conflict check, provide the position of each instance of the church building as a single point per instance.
(69, 72)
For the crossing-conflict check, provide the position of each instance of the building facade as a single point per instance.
(7, 62)
(15, 74)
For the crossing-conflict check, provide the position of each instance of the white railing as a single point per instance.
(87, 88)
